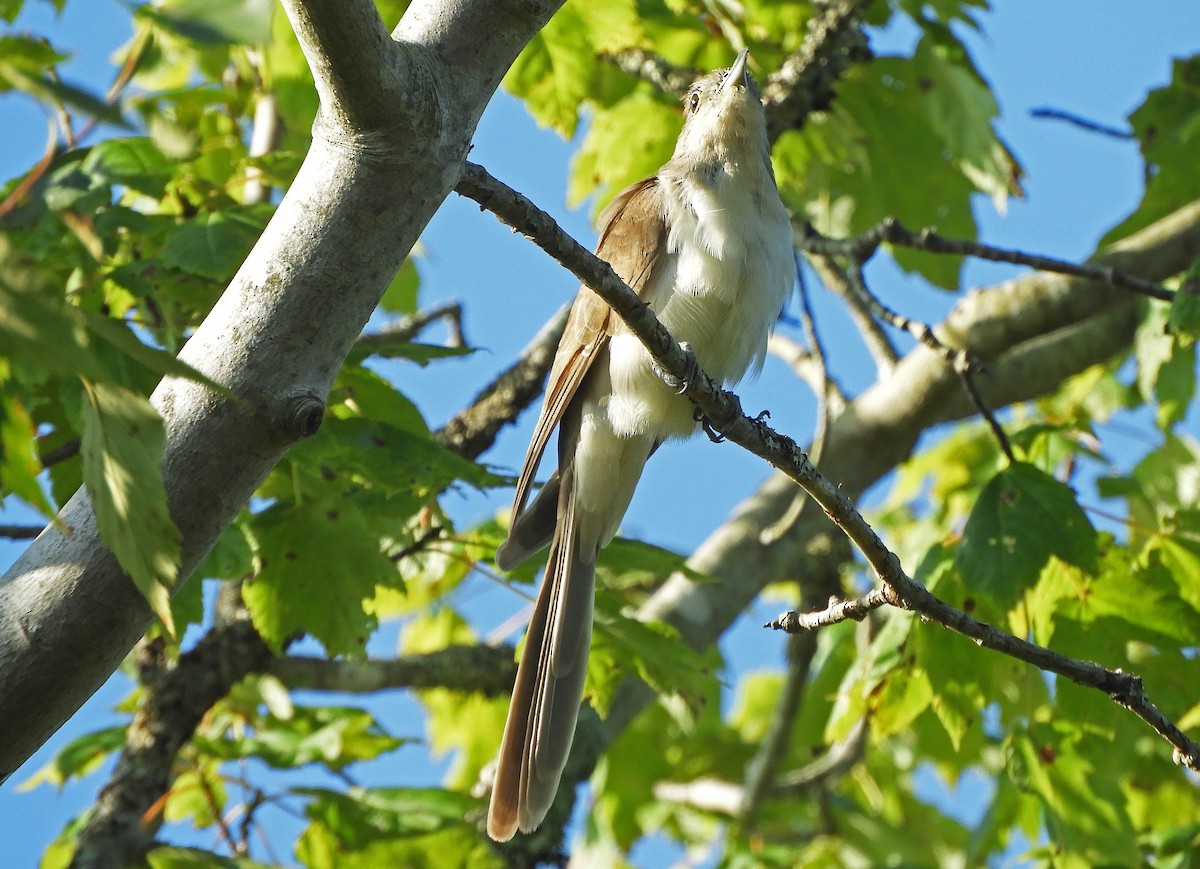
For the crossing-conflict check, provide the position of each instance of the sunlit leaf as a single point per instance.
(79, 757)
(315, 564)
(214, 22)
(122, 452)
(1022, 518)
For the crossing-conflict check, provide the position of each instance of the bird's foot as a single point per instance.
(706, 425)
(680, 386)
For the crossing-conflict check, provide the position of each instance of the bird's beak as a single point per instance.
(738, 74)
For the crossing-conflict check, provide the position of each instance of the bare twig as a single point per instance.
(890, 231)
(1078, 121)
(857, 608)
(408, 327)
(421, 542)
(965, 366)
(879, 345)
(21, 532)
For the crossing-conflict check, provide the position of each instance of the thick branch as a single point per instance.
(355, 64)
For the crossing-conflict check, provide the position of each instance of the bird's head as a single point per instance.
(723, 116)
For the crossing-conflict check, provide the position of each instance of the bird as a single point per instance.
(706, 242)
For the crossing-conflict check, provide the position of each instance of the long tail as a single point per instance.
(549, 687)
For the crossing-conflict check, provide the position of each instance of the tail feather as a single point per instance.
(549, 687)
(533, 528)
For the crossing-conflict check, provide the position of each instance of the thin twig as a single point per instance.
(966, 367)
(835, 762)
(891, 231)
(1082, 122)
(421, 542)
(878, 344)
(857, 608)
(411, 325)
(21, 532)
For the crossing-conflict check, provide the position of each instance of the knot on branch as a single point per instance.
(302, 416)
(1126, 688)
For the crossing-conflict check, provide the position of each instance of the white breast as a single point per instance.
(728, 270)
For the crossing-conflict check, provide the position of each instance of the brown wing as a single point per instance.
(632, 240)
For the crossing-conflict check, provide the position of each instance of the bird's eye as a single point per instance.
(693, 101)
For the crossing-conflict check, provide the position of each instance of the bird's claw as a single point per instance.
(706, 425)
(680, 386)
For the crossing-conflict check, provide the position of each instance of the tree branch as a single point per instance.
(655, 69)
(408, 327)
(891, 231)
(473, 430)
(804, 82)
(488, 670)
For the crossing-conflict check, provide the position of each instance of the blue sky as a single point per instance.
(1094, 59)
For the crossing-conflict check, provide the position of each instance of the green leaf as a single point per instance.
(79, 757)
(652, 650)
(135, 163)
(46, 333)
(32, 55)
(1084, 809)
(315, 564)
(1022, 518)
(365, 455)
(214, 22)
(19, 462)
(624, 563)
(1167, 125)
(1166, 368)
(10, 9)
(1178, 547)
(553, 73)
(53, 91)
(1183, 321)
(624, 142)
(400, 297)
(361, 393)
(122, 453)
(961, 109)
(214, 245)
(363, 815)
(422, 354)
(178, 857)
(334, 736)
(858, 162)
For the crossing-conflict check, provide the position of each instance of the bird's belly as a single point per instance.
(724, 311)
